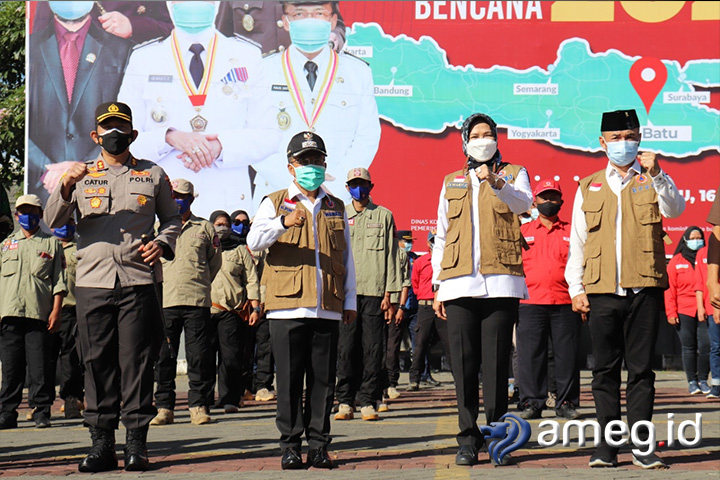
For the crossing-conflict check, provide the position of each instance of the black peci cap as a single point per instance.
(305, 142)
(619, 120)
(113, 109)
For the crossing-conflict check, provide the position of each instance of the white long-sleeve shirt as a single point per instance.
(267, 228)
(518, 197)
(671, 204)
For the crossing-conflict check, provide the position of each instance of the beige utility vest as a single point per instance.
(499, 229)
(643, 253)
(290, 270)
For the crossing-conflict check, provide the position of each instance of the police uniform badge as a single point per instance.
(283, 119)
(159, 115)
(248, 23)
(142, 200)
(198, 123)
(95, 202)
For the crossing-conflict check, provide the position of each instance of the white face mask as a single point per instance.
(622, 153)
(481, 149)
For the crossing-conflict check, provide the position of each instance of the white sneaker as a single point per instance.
(393, 393)
(345, 412)
(264, 395)
(369, 413)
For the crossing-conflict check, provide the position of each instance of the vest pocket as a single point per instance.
(337, 236)
(451, 256)
(647, 262)
(456, 201)
(375, 239)
(9, 264)
(593, 212)
(41, 267)
(339, 280)
(508, 245)
(287, 281)
(647, 212)
(142, 198)
(592, 264)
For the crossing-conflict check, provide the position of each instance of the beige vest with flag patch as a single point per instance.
(290, 270)
(643, 253)
(499, 229)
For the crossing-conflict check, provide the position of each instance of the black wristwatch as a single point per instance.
(282, 221)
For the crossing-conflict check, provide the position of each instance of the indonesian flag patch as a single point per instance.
(595, 187)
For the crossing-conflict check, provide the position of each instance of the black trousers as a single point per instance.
(427, 324)
(536, 324)
(624, 328)
(195, 321)
(265, 363)
(63, 351)
(360, 355)
(480, 333)
(118, 334)
(306, 355)
(24, 344)
(228, 341)
(248, 362)
(392, 354)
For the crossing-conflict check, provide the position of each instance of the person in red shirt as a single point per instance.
(705, 310)
(548, 311)
(427, 321)
(681, 309)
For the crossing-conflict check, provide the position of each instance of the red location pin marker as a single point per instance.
(648, 77)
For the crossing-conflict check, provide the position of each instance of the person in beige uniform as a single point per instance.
(32, 287)
(235, 286)
(116, 198)
(186, 307)
(310, 279)
(616, 273)
(360, 353)
(64, 348)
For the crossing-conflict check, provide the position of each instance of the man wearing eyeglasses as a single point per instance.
(310, 289)
(314, 88)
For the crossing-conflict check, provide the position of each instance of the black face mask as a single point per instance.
(549, 209)
(115, 142)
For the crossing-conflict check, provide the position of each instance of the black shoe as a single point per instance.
(604, 457)
(8, 420)
(431, 381)
(42, 420)
(530, 412)
(413, 387)
(466, 456)
(136, 456)
(648, 461)
(102, 457)
(291, 459)
(567, 410)
(319, 458)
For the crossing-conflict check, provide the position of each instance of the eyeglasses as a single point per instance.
(308, 160)
(243, 222)
(302, 14)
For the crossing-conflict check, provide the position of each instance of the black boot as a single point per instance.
(136, 456)
(101, 457)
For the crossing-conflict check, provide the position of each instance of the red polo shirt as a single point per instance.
(422, 277)
(680, 295)
(544, 263)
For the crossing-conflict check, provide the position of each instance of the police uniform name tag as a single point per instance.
(374, 225)
(160, 78)
(280, 88)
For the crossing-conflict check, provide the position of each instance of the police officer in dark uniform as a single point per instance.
(117, 198)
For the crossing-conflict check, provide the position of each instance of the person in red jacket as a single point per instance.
(681, 309)
(706, 310)
(548, 311)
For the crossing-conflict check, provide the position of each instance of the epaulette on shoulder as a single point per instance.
(345, 52)
(271, 53)
(242, 38)
(148, 42)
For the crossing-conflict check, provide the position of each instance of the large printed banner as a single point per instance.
(393, 99)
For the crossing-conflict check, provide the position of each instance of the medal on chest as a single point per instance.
(197, 96)
(310, 118)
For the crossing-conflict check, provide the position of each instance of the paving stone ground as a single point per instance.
(414, 440)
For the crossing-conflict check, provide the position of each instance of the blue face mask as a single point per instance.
(183, 204)
(359, 193)
(28, 221)
(71, 10)
(408, 247)
(309, 35)
(241, 229)
(695, 244)
(65, 232)
(622, 153)
(310, 177)
(193, 17)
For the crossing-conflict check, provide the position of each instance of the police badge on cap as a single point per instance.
(305, 142)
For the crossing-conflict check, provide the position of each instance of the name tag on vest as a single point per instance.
(332, 214)
(280, 88)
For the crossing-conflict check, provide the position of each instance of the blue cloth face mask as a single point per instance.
(310, 177)
(65, 232)
(241, 229)
(622, 153)
(408, 247)
(193, 17)
(359, 192)
(183, 204)
(310, 35)
(71, 10)
(28, 221)
(695, 244)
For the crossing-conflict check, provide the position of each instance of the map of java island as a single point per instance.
(418, 90)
